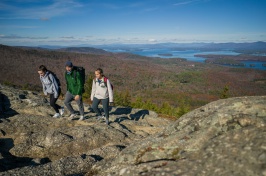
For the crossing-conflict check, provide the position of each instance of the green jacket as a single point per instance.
(74, 85)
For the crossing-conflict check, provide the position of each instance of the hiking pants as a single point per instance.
(53, 101)
(69, 98)
(105, 103)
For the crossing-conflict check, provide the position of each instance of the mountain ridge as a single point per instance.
(226, 45)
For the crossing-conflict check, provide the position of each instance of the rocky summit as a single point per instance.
(225, 137)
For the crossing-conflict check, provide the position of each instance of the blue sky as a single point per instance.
(74, 22)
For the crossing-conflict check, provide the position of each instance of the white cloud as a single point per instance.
(152, 40)
(56, 8)
(186, 2)
(18, 27)
(21, 37)
(67, 37)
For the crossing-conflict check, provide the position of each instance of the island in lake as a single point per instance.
(233, 60)
(166, 54)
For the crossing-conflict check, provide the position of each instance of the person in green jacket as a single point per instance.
(74, 90)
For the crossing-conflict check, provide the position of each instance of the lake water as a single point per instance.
(189, 55)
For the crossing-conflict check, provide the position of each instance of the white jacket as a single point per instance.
(100, 91)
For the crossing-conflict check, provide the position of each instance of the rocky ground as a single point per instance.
(225, 137)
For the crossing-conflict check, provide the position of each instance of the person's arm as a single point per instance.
(110, 91)
(43, 87)
(93, 89)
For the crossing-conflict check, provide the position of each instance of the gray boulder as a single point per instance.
(226, 137)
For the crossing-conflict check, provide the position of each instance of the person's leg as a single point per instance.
(60, 109)
(57, 106)
(80, 105)
(68, 98)
(105, 103)
(52, 103)
(95, 104)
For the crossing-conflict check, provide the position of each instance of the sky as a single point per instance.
(96, 22)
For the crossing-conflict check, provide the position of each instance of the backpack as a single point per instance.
(105, 82)
(81, 71)
(55, 77)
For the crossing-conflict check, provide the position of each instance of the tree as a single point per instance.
(122, 98)
(225, 92)
(88, 86)
(183, 108)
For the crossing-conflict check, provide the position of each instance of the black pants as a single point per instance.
(53, 101)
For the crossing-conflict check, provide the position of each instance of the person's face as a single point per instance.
(68, 68)
(98, 75)
(41, 73)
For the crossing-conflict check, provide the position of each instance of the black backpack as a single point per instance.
(81, 71)
(55, 77)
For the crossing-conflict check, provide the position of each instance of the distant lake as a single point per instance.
(187, 54)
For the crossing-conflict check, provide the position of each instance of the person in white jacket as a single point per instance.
(102, 91)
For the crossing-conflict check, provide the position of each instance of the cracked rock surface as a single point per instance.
(225, 137)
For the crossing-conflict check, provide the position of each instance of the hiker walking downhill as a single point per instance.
(101, 92)
(75, 88)
(51, 86)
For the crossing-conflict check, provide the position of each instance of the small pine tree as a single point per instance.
(183, 108)
(126, 99)
(118, 99)
(225, 92)
(88, 86)
(138, 103)
(165, 108)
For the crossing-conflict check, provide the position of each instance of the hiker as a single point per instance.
(102, 91)
(75, 88)
(51, 86)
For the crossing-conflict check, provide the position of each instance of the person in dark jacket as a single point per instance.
(51, 87)
(74, 90)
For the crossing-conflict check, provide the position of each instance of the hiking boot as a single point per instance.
(57, 115)
(61, 110)
(81, 118)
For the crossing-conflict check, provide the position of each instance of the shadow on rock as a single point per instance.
(139, 115)
(120, 111)
(5, 107)
(9, 161)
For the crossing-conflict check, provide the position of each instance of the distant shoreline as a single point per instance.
(240, 57)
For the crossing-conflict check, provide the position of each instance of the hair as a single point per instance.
(42, 68)
(100, 71)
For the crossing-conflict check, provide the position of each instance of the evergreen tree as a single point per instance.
(126, 99)
(225, 92)
(183, 108)
(88, 86)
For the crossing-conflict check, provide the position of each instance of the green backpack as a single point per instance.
(81, 71)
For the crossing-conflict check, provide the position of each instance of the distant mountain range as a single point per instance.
(232, 46)
(89, 50)
(85, 50)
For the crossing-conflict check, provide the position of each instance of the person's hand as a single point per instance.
(77, 97)
(111, 104)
